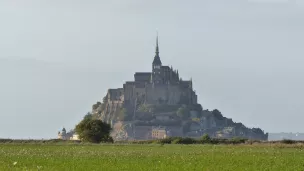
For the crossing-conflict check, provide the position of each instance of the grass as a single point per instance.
(17, 156)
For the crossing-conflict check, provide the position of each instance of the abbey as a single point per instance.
(159, 104)
(160, 86)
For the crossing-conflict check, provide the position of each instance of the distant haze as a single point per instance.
(59, 57)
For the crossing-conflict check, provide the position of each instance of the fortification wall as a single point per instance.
(167, 93)
(128, 92)
(156, 93)
(174, 93)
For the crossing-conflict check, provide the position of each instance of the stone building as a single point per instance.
(227, 132)
(153, 99)
(160, 86)
(159, 133)
(64, 135)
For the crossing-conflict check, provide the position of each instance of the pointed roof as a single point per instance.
(157, 48)
(157, 58)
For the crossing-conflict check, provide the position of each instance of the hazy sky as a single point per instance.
(59, 57)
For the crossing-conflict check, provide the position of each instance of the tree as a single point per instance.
(105, 99)
(95, 106)
(88, 116)
(183, 112)
(198, 108)
(206, 138)
(93, 130)
(217, 114)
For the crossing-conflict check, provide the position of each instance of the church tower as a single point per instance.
(156, 66)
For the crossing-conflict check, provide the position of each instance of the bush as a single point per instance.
(174, 140)
(188, 141)
(288, 141)
(6, 140)
(95, 106)
(164, 141)
(178, 140)
(181, 140)
(206, 138)
(237, 140)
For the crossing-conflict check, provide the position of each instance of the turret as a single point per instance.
(63, 132)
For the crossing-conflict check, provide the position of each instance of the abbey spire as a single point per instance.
(157, 48)
(157, 58)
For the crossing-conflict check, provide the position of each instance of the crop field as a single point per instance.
(150, 157)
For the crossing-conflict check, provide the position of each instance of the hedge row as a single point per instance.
(185, 140)
(170, 140)
(29, 141)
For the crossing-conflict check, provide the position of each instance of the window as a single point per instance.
(156, 66)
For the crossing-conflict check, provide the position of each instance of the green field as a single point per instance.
(150, 157)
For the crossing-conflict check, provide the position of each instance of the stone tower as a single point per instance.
(156, 66)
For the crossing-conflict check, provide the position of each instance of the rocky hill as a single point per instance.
(180, 120)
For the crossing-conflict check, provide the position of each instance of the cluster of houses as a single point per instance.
(64, 135)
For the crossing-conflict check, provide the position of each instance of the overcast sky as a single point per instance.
(59, 57)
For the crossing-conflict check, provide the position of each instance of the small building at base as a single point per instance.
(159, 133)
(64, 135)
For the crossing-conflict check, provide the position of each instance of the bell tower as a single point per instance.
(156, 66)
